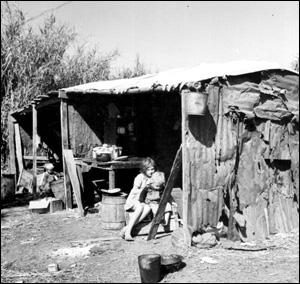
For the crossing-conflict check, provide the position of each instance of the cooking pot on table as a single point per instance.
(102, 154)
(103, 157)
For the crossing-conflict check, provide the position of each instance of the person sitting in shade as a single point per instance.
(50, 175)
(139, 210)
(152, 193)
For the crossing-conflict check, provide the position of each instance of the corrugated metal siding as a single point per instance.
(206, 169)
(266, 188)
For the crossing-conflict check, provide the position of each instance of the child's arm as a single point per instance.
(143, 194)
(141, 188)
(57, 174)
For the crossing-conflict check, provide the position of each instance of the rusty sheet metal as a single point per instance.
(280, 96)
(245, 96)
(262, 120)
(174, 78)
(275, 98)
(211, 162)
(277, 147)
(294, 148)
(252, 174)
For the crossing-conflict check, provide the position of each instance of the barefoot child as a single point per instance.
(50, 175)
(151, 195)
(133, 205)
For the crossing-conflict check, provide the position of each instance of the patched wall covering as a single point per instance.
(243, 155)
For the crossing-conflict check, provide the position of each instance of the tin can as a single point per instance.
(53, 267)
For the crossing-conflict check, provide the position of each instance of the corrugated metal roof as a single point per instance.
(171, 79)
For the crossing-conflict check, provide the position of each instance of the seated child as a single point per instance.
(152, 193)
(50, 175)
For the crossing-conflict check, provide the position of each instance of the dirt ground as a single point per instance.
(30, 242)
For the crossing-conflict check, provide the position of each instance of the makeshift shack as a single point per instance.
(237, 123)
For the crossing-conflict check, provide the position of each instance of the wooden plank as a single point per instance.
(71, 167)
(18, 148)
(25, 180)
(267, 222)
(166, 195)
(80, 178)
(65, 145)
(34, 148)
(68, 188)
(185, 169)
(38, 158)
(64, 124)
(11, 144)
(79, 174)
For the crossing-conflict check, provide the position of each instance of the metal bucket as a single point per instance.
(196, 103)
(150, 268)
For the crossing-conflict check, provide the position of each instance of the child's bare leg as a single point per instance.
(167, 214)
(145, 212)
(122, 233)
(154, 208)
(167, 218)
(135, 217)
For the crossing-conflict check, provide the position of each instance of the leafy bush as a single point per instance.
(36, 62)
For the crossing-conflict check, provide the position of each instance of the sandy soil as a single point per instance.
(30, 242)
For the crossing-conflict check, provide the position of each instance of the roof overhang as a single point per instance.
(173, 79)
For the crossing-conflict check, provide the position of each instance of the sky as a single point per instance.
(169, 34)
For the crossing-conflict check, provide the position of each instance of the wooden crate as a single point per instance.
(26, 179)
(58, 189)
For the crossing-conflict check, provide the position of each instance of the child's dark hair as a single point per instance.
(146, 163)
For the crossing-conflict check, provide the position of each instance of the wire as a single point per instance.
(52, 9)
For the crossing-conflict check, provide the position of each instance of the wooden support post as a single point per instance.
(34, 148)
(65, 145)
(80, 179)
(12, 147)
(79, 174)
(71, 167)
(185, 169)
(166, 194)
(111, 178)
(19, 149)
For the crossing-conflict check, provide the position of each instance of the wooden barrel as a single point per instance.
(113, 212)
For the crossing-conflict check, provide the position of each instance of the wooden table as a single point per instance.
(112, 166)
